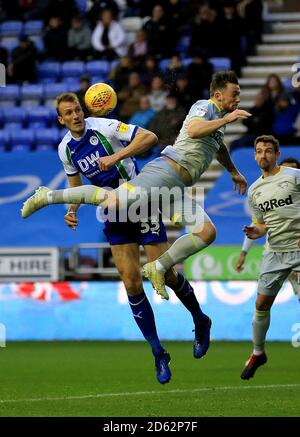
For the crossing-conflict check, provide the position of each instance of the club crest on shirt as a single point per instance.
(201, 112)
(94, 140)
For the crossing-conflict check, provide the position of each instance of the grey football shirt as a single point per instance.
(196, 154)
(275, 201)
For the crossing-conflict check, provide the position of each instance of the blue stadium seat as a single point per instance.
(14, 115)
(10, 92)
(38, 42)
(22, 138)
(11, 28)
(98, 68)
(220, 63)
(47, 136)
(4, 138)
(49, 69)
(186, 62)
(51, 90)
(72, 68)
(81, 5)
(183, 45)
(98, 79)
(32, 91)
(9, 44)
(33, 27)
(72, 84)
(163, 63)
(39, 114)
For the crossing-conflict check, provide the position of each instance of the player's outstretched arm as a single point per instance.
(201, 128)
(142, 141)
(224, 158)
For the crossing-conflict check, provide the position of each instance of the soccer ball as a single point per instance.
(100, 99)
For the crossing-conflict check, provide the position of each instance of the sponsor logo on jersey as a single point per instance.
(94, 140)
(123, 128)
(271, 204)
(90, 160)
(201, 112)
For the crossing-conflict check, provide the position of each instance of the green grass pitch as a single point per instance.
(118, 379)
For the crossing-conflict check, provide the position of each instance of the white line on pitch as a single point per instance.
(156, 392)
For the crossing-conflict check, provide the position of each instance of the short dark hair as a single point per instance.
(267, 139)
(220, 80)
(65, 97)
(290, 160)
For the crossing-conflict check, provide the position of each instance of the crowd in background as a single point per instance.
(148, 95)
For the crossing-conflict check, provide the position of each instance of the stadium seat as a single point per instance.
(39, 114)
(220, 63)
(98, 68)
(4, 138)
(33, 27)
(9, 44)
(49, 70)
(32, 92)
(183, 45)
(38, 42)
(11, 28)
(14, 115)
(73, 68)
(22, 138)
(186, 62)
(131, 24)
(51, 90)
(48, 136)
(97, 79)
(81, 5)
(163, 64)
(10, 92)
(72, 84)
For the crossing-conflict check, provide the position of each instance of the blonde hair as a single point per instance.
(65, 97)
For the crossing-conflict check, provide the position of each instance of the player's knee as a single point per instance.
(133, 285)
(208, 233)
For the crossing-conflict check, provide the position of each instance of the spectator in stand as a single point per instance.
(174, 69)
(79, 39)
(158, 94)
(199, 74)
(260, 122)
(167, 122)
(22, 67)
(108, 38)
(274, 87)
(177, 12)
(230, 26)
(55, 40)
(149, 70)
(85, 82)
(160, 35)
(144, 115)
(251, 12)
(286, 114)
(181, 90)
(204, 34)
(100, 5)
(64, 9)
(129, 96)
(120, 74)
(138, 50)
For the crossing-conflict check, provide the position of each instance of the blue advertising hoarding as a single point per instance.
(100, 311)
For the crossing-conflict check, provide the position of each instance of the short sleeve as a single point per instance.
(115, 129)
(200, 110)
(257, 217)
(69, 168)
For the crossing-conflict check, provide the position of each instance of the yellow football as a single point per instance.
(100, 99)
